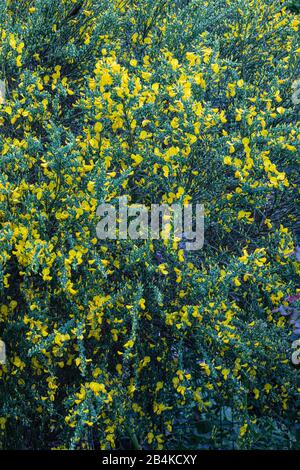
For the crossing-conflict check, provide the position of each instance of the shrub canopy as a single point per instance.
(140, 341)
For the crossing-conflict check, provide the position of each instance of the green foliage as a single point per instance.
(141, 343)
(294, 6)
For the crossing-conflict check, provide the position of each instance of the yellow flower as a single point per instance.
(19, 61)
(205, 367)
(18, 363)
(134, 37)
(145, 135)
(175, 123)
(150, 437)
(96, 388)
(166, 171)
(181, 255)
(225, 373)
(12, 41)
(20, 47)
(91, 186)
(227, 160)
(158, 408)
(215, 68)
(180, 192)
(243, 429)
(159, 386)
(162, 268)
(98, 127)
(137, 159)
(2, 423)
(268, 388)
(94, 143)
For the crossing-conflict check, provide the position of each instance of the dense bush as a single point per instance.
(133, 343)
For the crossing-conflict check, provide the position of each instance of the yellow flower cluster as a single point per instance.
(108, 340)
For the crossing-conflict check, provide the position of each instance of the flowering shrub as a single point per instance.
(139, 343)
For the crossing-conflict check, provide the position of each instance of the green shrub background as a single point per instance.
(131, 343)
